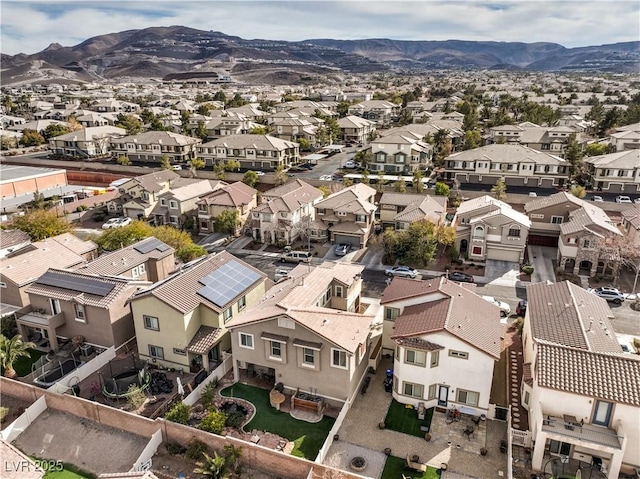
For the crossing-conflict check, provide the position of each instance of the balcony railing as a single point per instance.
(584, 432)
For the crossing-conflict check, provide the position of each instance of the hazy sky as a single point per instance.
(30, 26)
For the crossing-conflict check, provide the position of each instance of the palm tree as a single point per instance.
(215, 466)
(10, 351)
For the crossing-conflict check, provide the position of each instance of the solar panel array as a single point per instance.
(150, 245)
(76, 283)
(227, 282)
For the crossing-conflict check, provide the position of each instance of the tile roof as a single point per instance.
(417, 343)
(451, 307)
(166, 138)
(152, 182)
(585, 218)
(507, 154)
(204, 339)
(610, 377)
(92, 133)
(632, 216)
(568, 315)
(192, 188)
(493, 205)
(353, 199)
(233, 195)
(180, 290)
(257, 142)
(9, 238)
(404, 288)
(553, 200)
(629, 159)
(289, 197)
(75, 244)
(120, 261)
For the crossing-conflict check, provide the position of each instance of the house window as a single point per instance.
(361, 218)
(417, 358)
(572, 240)
(431, 394)
(151, 322)
(55, 306)
(80, 313)
(228, 314)
(413, 390)
(602, 413)
(242, 303)
(339, 291)
(320, 211)
(204, 224)
(173, 220)
(202, 208)
(476, 250)
(338, 358)
(163, 202)
(3, 285)
(135, 272)
(469, 398)
(586, 243)
(458, 354)
(142, 269)
(514, 232)
(435, 358)
(308, 356)
(156, 351)
(556, 220)
(180, 352)
(527, 396)
(275, 350)
(390, 314)
(478, 232)
(246, 340)
(173, 204)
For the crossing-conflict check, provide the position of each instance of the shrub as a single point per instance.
(213, 422)
(209, 393)
(179, 413)
(527, 269)
(453, 253)
(235, 419)
(3, 413)
(135, 397)
(174, 448)
(82, 208)
(195, 449)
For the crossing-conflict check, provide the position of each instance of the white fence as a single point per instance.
(520, 438)
(218, 373)
(29, 415)
(509, 446)
(84, 371)
(144, 460)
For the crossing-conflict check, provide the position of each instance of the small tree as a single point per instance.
(259, 130)
(179, 413)
(213, 422)
(233, 455)
(197, 164)
(250, 178)
(400, 186)
(219, 171)
(417, 181)
(135, 397)
(31, 138)
(227, 221)
(578, 191)
(325, 190)
(40, 224)
(10, 351)
(232, 165)
(347, 181)
(305, 145)
(380, 183)
(165, 162)
(499, 190)
(280, 177)
(365, 177)
(190, 252)
(123, 160)
(442, 189)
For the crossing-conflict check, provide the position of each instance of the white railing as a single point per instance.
(78, 375)
(143, 463)
(509, 446)
(218, 373)
(29, 415)
(520, 438)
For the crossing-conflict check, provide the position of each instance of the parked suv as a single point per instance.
(296, 257)
(610, 294)
(342, 249)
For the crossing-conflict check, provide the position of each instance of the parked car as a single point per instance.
(637, 201)
(461, 277)
(505, 309)
(597, 199)
(342, 249)
(296, 257)
(521, 310)
(610, 294)
(260, 173)
(116, 223)
(402, 271)
(176, 167)
(124, 221)
(349, 164)
(281, 273)
(623, 199)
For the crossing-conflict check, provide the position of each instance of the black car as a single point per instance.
(461, 277)
(522, 308)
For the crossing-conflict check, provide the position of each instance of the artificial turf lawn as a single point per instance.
(64, 474)
(23, 363)
(395, 468)
(402, 419)
(307, 437)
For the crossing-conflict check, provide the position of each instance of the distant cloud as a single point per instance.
(30, 26)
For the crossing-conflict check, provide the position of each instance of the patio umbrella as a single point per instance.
(180, 387)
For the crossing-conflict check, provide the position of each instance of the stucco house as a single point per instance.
(178, 206)
(580, 391)
(308, 333)
(355, 129)
(87, 142)
(138, 196)
(400, 153)
(631, 223)
(616, 172)
(490, 229)
(237, 195)
(182, 322)
(399, 210)
(446, 340)
(151, 146)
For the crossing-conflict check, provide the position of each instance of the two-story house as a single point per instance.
(232, 124)
(517, 165)
(286, 214)
(151, 146)
(490, 229)
(631, 223)
(307, 332)
(348, 214)
(446, 340)
(65, 304)
(182, 321)
(115, 106)
(96, 119)
(626, 137)
(400, 154)
(87, 142)
(550, 139)
(547, 214)
(237, 196)
(355, 129)
(12, 240)
(254, 152)
(399, 210)
(294, 129)
(138, 196)
(381, 112)
(581, 393)
(616, 172)
(178, 206)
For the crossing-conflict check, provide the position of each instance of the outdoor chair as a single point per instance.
(468, 431)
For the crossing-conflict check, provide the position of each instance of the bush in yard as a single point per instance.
(527, 269)
(235, 419)
(209, 393)
(3, 413)
(174, 448)
(195, 449)
(135, 397)
(179, 413)
(213, 422)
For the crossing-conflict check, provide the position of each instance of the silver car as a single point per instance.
(402, 271)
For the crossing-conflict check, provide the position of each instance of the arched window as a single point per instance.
(478, 232)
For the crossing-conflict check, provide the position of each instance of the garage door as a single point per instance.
(541, 240)
(546, 183)
(504, 255)
(352, 240)
(514, 181)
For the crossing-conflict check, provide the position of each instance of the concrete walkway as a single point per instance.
(360, 435)
(541, 258)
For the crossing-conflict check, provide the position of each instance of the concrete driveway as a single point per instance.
(503, 273)
(541, 258)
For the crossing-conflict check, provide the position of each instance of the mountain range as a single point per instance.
(180, 52)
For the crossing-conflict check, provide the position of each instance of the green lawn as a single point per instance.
(23, 364)
(402, 419)
(395, 468)
(307, 437)
(64, 474)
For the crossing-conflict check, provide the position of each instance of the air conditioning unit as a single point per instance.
(86, 350)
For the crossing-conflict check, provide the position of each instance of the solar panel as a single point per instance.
(151, 244)
(76, 283)
(227, 282)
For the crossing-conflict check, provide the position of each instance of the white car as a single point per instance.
(117, 223)
(402, 271)
(349, 164)
(597, 199)
(505, 309)
(260, 173)
(326, 177)
(637, 201)
(623, 199)
(176, 167)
